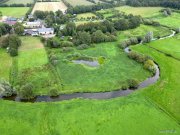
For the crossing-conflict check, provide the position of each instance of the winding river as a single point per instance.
(98, 95)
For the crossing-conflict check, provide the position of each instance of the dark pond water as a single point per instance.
(87, 63)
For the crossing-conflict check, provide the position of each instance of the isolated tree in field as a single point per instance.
(18, 28)
(148, 37)
(14, 43)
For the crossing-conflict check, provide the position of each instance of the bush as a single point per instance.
(5, 89)
(149, 65)
(67, 49)
(13, 52)
(133, 83)
(124, 87)
(66, 44)
(137, 57)
(26, 92)
(54, 92)
(82, 46)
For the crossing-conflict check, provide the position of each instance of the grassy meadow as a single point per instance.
(85, 15)
(88, 117)
(31, 53)
(166, 91)
(79, 3)
(6, 62)
(142, 31)
(168, 46)
(111, 75)
(14, 11)
(143, 11)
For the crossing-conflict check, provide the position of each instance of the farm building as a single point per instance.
(35, 24)
(45, 31)
(10, 20)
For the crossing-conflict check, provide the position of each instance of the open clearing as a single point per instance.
(50, 6)
(18, 1)
(169, 46)
(31, 53)
(79, 3)
(6, 62)
(14, 11)
(85, 15)
(143, 11)
(111, 75)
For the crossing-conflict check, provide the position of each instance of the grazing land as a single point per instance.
(31, 54)
(111, 75)
(143, 11)
(14, 11)
(86, 15)
(88, 117)
(50, 6)
(171, 21)
(6, 62)
(168, 46)
(79, 3)
(142, 30)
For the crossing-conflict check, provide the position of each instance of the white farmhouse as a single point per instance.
(46, 31)
(36, 24)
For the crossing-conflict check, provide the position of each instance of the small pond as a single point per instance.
(93, 63)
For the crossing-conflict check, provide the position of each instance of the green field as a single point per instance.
(111, 75)
(168, 46)
(142, 31)
(14, 11)
(6, 62)
(166, 92)
(19, 1)
(143, 11)
(171, 21)
(31, 53)
(79, 3)
(85, 15)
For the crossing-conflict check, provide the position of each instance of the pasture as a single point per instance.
(171, 21)
(141, 31)
(6, 62)
(168, 46)
(143, 11)
(14, 11)
(31, 53)
(111, 75)
(50, 6)
(85, 15)
(79, 3)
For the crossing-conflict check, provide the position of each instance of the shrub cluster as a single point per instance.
(148, 63)
(26, 92)
(6, 89)
(128, 42)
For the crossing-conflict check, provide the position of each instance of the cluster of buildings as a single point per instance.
(33, 28)
(36, 28)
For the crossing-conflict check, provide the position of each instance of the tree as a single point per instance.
(18, 28)
(98, 37)
(148, 37)
(6, 89)
(26, 92)
(82, 38)
(71, 28)
(121, 24)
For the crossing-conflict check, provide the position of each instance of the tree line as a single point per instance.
(146, 3)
